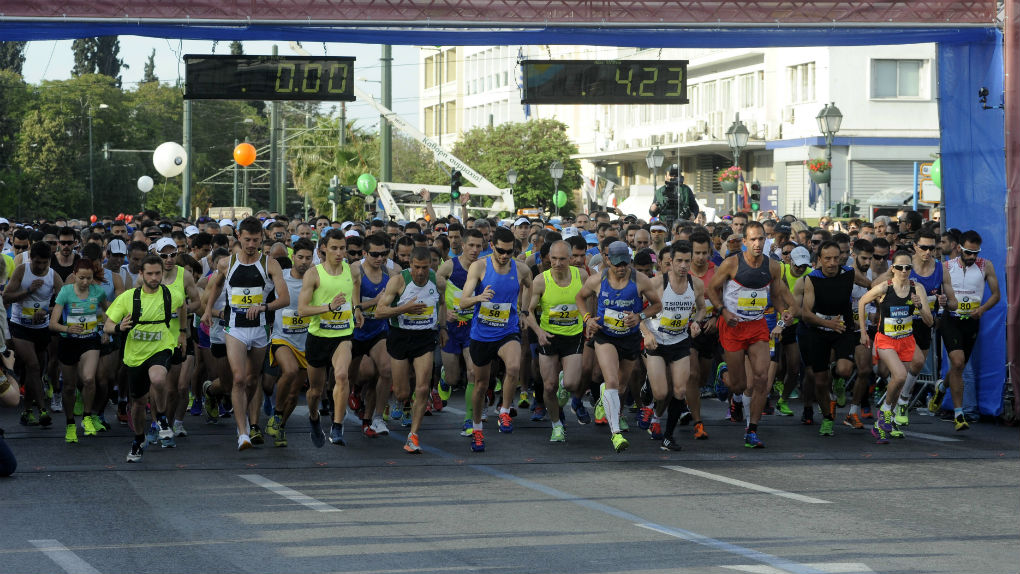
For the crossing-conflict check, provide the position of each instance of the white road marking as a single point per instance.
(67, 560)
(828, 567)
(289, 493)
(934, 437)
(748, 485)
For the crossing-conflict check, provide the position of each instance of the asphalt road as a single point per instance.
(936, 501)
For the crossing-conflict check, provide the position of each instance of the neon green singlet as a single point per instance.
(559, 307)
(338, 323)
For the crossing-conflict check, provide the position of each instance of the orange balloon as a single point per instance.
(244, 154)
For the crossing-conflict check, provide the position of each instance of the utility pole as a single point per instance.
(274, 125)
(236, 165)
(385, 151)
(281, 201)
(186, 184)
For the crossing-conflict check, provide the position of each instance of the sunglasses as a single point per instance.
(376, 253)
(502, 251)
(926, 247)
(621, 264)
(786, 253)
(903, 267)
(970, 251)
(815, 241)
(71, 242)
(166, 256)
(354, 253)
(21, 247)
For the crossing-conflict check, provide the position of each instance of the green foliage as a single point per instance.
(12, 56)
(149, 72)
(529, 147)
(316, 156)
(98, 55)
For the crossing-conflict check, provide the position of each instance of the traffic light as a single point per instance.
(346, 193)
(455, 182)
(855, 209)
(334, 185)
(836, 209)
(755, 196)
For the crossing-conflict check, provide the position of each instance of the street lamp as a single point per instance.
(736, 138)
(829, 120)
(92, 183)
(654, 161)
(247, 122)
(556, 171)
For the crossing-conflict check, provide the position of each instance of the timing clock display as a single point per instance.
(320, 78)
(604, 82)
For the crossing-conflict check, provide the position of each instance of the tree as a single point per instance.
(98, 55)
(149, 72)
(529, 147)
(12, 56)
(236, 48)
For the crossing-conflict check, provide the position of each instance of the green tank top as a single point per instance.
(559, 306)
(177, 290)
(338, 323)
(791, 281)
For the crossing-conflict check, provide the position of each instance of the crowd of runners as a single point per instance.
(159, 323)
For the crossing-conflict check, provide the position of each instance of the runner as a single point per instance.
(497, 285)
(704, 346)
(968, 274)
(370, 337)
(558, 333)
(897, 299)
(615, 327)
(799, 266)
(328, 294)
(246, 280)
(863, 251)
(143, 314)
(667, 338)
(740, 288)
(420, 309)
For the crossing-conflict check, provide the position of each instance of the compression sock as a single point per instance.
(611, 404)
(908, 388)
(675, 408)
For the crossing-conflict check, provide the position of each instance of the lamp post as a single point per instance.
(829, 120)
(247, 121)
(92, 182)
(556, 171)
(654, 161)
(736, 138)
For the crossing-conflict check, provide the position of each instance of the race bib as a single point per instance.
(752, 301)
(461, 314)
(146, 336)
(494, 314)
(673, 325)
(932, 300)
(338, 320)
(33, 314)
(709, 309)
(563, 315)
(90, 324)
(613, 320)
(967, 304)
(244, 298)
(899, 323)
(417, 320)
(292, 323)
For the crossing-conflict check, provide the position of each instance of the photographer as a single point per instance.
(674, 200)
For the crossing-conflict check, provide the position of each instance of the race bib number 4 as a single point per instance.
(338, 320)
(245, 297)
(494, 314)
(614, 321)
(563, 315)
(752, 301)
(293, 324)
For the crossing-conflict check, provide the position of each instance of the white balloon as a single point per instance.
(145, 184)
(169, 159)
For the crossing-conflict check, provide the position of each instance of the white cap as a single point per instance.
(117, 247)
(659, 227)
(522, 221)
(226, 221)
(267, 223)
(569, 232)
(191, 230)
(4, 220)
(165, 242)
(800, 255)
(352, 233)
(346, 225)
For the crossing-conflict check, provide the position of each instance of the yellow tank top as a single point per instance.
(178, 287)
(338, 323)
(559, 306)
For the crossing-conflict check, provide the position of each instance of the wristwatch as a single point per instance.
(643, 316)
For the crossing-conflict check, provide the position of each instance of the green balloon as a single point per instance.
(936, 173)
(560, 199)
(367, 183)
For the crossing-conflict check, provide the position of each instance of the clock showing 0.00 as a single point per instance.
(604, 82)
(317, 78)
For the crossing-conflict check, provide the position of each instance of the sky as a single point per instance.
(53, 60)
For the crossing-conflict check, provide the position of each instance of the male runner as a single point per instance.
(370, 337)
(863, 251)
(705, 345)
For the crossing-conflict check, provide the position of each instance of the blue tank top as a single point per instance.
(496, 319)
(459, 275)
(932, 285)
(372, 327)
(613, 304)
(107, 284)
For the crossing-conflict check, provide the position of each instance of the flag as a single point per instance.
(745, 199)
(813, 192)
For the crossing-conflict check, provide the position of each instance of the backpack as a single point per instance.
(136, 307)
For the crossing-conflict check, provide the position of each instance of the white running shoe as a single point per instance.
(179, 430)
(379, 426)
(57, 403)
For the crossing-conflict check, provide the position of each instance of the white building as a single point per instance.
(885, 93)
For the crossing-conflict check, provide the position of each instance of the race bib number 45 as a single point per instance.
(245, 297)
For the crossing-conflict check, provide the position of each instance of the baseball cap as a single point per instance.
(267, 223)
(223, 222)
(191, 230)
(569, 232)
(782, 228)
(522, 221)
(735, 236)
(591, 239)
(352, 233)
(165, 242)
(800, 255)
(347, 225)
(3, 221)
(618, 253)
(117, 247)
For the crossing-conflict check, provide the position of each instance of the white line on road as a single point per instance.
(67, 560)
(927, 436)
(289, 493)
(748, 485)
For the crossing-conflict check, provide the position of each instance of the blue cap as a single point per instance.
(591, 239)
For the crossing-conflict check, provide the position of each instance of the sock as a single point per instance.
(958, 412)
(854, 409)
(477, 427)
(611, 404)
(752, 427)
(886, 407)
(178, 421)
(739, 399)
(672, 416)
(469, 394)
(557, 424)
(908, 388)
(655, 418)
(504, 411)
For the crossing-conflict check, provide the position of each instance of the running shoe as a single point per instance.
(795, 394)
(318, 437)
(736, 412)
(506, 424)
(468, 428)
(280, 440)
(699, 431)
(826, 428)
(721, 390)
(896, 432)
(366, 429)
(336, 435)
(620, 444)
(600, 411)
(768, 409)
(523, 402)
(670, 445)
(562, 396)
(89, 426)
(273, 426)
(79, 406)
(839, 388)
(902, 417)
(853, 421)
(152, 437)
(44, 419)
(437, 402)
(879, 432)
(57, 403)
(477, 441)
(267, 405)
(47, 387)
(212, 411)
(960, 423)
(29, 419)
(783, 408)
(243, 442)
(100, 422)
(353, 402)
(255, 433)
(122, 418)
(412, 446)
(179, 430)
(777, 388)
(444, 388)
(196, 407)
(808, 417)
(135, 454)
(645, 418)
(166, 437)
(538, 414)
(866, 412)
(751, 440)
(558, 434)
(935, 400)
(582, 414)
(379, 426)
(685, 415)
(396, 412)
(655, 431)
(71, 434)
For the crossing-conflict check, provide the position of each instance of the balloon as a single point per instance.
(145, 184)
(93, 219)
(560, 199)
(367, 183)
(936, 173)
(120, 217)
(129, 218)
(169, 159)
(244, 154)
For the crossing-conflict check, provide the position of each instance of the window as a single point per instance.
(450, 58)
(726, 94)
(707, 102)
(429, 119)
(429, 71)
(747, 90)
(899, 79)
(801, 80)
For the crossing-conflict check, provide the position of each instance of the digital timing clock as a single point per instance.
(323, 78)
(604, 82)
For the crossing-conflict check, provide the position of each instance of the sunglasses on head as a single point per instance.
(502, 251)
(166, 256)
(926, 247)
(970, 251)
(903, 267)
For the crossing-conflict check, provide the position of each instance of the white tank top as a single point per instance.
(33, 312)
(288, 326)
(427, 294)
(672, 324)
(968, 285)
